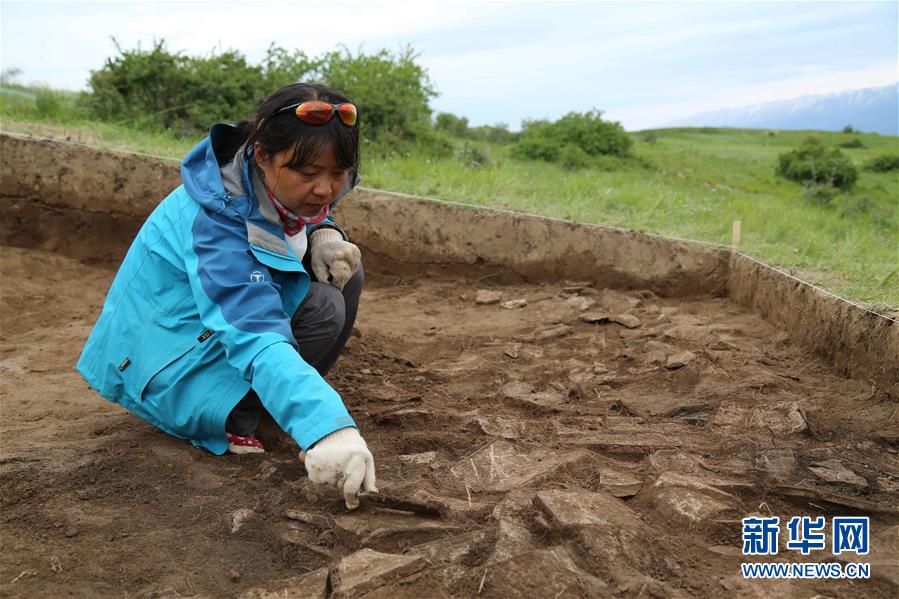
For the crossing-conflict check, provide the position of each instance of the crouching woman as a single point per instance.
(213, 315)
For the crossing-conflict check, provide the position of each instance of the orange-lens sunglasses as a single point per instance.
(315, 112)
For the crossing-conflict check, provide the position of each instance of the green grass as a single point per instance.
(689, 183)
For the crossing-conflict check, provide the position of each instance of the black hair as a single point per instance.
(276, 132)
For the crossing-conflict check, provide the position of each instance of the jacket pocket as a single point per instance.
(158, 348)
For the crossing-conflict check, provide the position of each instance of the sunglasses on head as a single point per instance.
(315, 112)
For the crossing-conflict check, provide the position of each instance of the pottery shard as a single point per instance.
(835, 472)
(308, 586)
(679, 360)
(570, 510)
(486, 296)
(501, 466)
(367, 569)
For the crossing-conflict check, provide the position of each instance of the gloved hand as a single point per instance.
(342, 460)
(333, 260)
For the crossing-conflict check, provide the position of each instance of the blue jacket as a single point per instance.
(199, 312)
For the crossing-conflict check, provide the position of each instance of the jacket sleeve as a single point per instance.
(238, 299)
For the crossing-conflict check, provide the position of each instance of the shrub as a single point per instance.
(573, 158)
(852, 143)
(391, 90)
(473, 156)
(544, 140)
(818, 194)
(884, 163)
(452, 124)
(162, 89)
(498, 133)
(814, 162)
(848, 129)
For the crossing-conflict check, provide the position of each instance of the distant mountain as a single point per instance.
(875, 109)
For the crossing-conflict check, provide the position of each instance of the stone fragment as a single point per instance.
(554, 332)
(415, 459)
(316, 520)
(617, 302)
(833, 471)
(512, 538)
(575, 286)
(626, 320)
(370, 529)
(779, 463)
(570, 510)
(514, 304)
(487, 296)
(516, 389)
(688, 500)
(619, 484)
(595, 317)
(501, 466)
(308, 586)
(782, 418)
(679, 360)
(499, 426)
(367, 569)
(237, 518)
(450, 550)
(580, 303)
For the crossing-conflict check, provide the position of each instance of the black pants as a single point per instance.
(321, 325)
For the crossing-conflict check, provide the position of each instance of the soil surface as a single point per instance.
(579, 442)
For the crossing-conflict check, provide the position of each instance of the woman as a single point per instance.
(213, 316)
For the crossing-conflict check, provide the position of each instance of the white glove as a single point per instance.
(333, 260)
(342, 460)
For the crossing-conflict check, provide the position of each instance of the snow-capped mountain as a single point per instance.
(875, 109)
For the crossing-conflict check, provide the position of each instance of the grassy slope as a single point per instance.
(699, 182)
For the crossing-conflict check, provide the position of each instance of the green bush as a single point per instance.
(391, 90)
(544, 140)
(884, 163)
(473, 156)
(452, 124)
(573, 158)
(818, 194)
(161, 89)
(849, 129)
(813, 162)
(852, 143)
(498, 133)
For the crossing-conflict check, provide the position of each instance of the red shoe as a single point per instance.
(241, 445)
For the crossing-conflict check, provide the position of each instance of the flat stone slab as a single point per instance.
(619, 484)
(689, 500)
(366, 528)
(501, 466)
(308, 586)
(367, 569)
(451, 550)
(570, 510)
(782, 418)
(833, 471)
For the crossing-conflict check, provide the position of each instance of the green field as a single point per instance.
(689, 183)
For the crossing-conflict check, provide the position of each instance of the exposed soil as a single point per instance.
(568, 458)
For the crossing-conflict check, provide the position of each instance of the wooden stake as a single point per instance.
(735, 236)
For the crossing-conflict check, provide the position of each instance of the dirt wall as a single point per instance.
(48, 184)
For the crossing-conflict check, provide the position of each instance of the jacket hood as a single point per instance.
(200, 170)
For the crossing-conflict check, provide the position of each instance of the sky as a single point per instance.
(643, 64)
